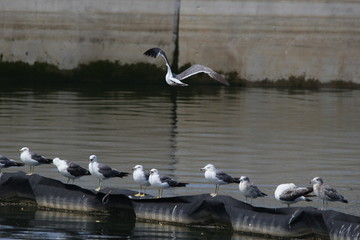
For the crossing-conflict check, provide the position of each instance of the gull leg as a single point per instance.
(161, 192)
(159, 195)
(216, 191)
(68, 180)
(143, 195)
(138, 194)
(30, 171)
(100, 185)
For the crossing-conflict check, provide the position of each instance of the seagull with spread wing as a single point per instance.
(176, 79)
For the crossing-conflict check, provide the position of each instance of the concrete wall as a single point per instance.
(257, 38)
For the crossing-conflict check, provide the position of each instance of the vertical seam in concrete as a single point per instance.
(175, 60)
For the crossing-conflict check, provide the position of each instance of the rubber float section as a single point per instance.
(203, 210)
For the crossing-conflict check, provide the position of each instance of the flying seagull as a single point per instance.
(289, 193)
(248, 189)
(70, 169)
(326, 193)
(103, 171)
(142, 178)
(32, 159)
(7, 162)
(217, 177)
(176, 79)
(161, 182)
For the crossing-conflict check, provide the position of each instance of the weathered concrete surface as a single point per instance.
(259, 39)
(273, 39)
(69, 32)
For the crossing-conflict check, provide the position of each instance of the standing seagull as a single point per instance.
(7, 162)
(103, 171)
(217, 177)
(289, 193)
(326, 193)
(161, 182)
(142, 178)
(249, 190)
(32, 159)
(175, 79)
(70, 169)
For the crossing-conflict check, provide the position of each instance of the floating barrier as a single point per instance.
(196, 210)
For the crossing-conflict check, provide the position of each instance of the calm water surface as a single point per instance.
(272, 136)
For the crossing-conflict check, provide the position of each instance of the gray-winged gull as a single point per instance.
(326, 193)
(32, 159)
(161, 182)
(217, 177)
(103, 171)
(289, 193)
(141, 177)
(176, 79)
(248, 189)
(70, 169)
(7, 162)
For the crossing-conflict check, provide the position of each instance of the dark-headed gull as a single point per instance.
(32, 159)
(326, 193)
(217, 177)
(103, 171)
(176, 79)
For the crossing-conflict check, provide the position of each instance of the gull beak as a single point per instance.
(202, 169)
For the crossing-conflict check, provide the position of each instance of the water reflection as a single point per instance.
(273, 136)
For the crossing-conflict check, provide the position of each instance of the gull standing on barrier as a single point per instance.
(249, 190)
(70, 169)
(217, 177)
(32, 159)
(289, 193)
(161, 182)
(103, 171)
(142, 178)
(7, 162)
(326, 193)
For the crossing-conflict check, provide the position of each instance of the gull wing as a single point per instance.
(76, 170)
(292, 194)
(195, 69)
(154, 52)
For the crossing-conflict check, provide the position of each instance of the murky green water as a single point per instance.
(272, 136)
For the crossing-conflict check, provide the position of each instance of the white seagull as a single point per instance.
(7, 162)
(217, 177)
(103, 171)
(32, 159)
(326, 193)
(142, 178)
(161, 182)
(176, 79)
(289, 193)
(70, 169)
(248, 189)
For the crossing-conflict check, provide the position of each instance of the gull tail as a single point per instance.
(181, 184)
(236, 180)
(121, 174)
